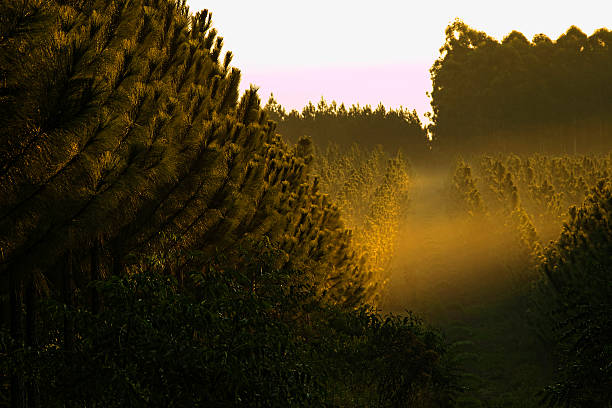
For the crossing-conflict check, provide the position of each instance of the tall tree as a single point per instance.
(578, 286)
(521, 95)
(122, 132)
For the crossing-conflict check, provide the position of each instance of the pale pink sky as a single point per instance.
(369, 52)
(393, 85)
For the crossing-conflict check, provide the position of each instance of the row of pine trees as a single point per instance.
(160, 244)
(123, 129)
(123, 136)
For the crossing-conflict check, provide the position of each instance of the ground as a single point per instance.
(461, 276)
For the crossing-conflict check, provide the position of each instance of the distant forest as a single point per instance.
(516, 95)
(330, 122)
(511, 96)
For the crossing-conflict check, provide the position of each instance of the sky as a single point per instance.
(370, 52)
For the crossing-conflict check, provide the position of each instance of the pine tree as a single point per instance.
(123, 133)
(577, 284)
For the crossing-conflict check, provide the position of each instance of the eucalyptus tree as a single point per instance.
(520, 95)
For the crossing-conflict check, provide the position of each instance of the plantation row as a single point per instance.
(541, 188)
(123, 131)
(551, 216)
(372, 191)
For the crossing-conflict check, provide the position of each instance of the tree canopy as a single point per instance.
(329, 123)
(123, 133)
(520, 95)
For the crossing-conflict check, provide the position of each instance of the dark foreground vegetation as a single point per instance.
(248, 336)
(162, 245)
(578, 270)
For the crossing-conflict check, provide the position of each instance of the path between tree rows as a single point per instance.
(449, 273)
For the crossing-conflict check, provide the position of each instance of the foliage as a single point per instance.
(124, 133)
(492, 201)
(515, 203)
(372, 192)
(504, 361)
(122, 126)
(571, 306)
(517, 95)
(464, 192)
(329, 123)
(578, 283)
(243, 336)
(542, 186)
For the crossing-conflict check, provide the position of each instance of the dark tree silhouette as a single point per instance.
(579, 285)
(332, 123)
(520, 95)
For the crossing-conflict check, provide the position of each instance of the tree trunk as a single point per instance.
(117, 263)
(30, 321)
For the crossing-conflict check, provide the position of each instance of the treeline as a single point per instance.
(127, 153)
(522, 96)
(332, 123)
(543, 95)
(517, 95)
